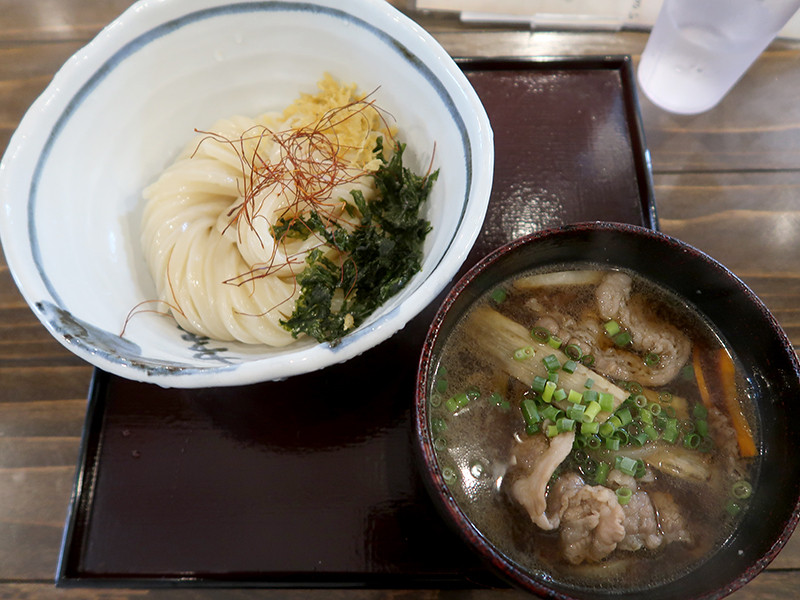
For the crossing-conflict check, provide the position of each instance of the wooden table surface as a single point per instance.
(727, 181)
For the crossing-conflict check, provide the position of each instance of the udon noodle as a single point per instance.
(207, 230)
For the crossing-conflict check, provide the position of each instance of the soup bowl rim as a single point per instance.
(433, 479)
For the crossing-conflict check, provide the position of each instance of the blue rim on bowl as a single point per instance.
(113, 93)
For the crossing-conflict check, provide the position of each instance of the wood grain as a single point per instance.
(26, 22)
(741, 133)
(748, 221)
(25, 71)
(727, 182)
(767, 586)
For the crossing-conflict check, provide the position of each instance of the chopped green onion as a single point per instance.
(473, 392)
(590, 396)
(529, 412)
(700, 412)
(635, 388)
(623, 338)
(741, 489)
(589, 383)
(640, 439)
(575, 397)
(594, 442)
(499, 295)
(612, 443)
(523, 353)
(589, 468)
(449, 475)
(602, 473)
(624, 415)
(441, 385)
(573, 351)
(670, 435)
(554, 342)
(625, 464)
(665, 397)
(438, 425)
(579, 442)
(549, 388)
(622, 436)
(587, 360)
(570, 366)
(498, 400)
(688, 426)
(651, 432)
(646, 417)
(640, 400)
(552, 431)
(733, 507)
(612, 328)
(691, 441)
(615, 421)
(669, 411)
(580, 456)
(456, 402)
(655, 409)
(687, 372)
(701, 427)
(538, 384)
(624, 495)
(551, 363)
(606, 401)
(607, 429)
(435, 400)
(440, 444)
(552, 413)
(540, 334)
(533, 429)
(590, 428)
(559, 395)
(651, 358)
(552, 377)
(576, 412)
(591, 412)
(565, 424)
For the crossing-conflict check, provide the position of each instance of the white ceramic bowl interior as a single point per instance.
(120, 110)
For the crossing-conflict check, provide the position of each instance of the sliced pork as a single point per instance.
(539, 457)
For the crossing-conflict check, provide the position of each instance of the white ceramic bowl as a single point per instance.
(119, 111)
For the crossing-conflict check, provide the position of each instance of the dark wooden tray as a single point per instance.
(311, 482)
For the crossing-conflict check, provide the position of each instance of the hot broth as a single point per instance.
(594, 427)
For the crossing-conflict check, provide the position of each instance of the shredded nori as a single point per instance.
(380, 256)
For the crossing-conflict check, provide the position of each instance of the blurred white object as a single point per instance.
(120, 110)
(698, 50)
(567, 14)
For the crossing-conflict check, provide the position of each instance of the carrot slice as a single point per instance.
(744, 436)
(700, 378)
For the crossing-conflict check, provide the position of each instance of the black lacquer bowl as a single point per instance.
(769, 362)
